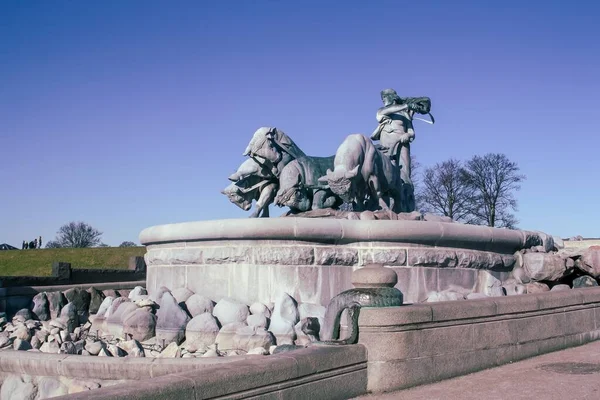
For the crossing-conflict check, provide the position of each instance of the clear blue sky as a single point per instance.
(128, 114)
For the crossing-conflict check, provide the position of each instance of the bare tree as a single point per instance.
(53, 244)
(494, 178)
(127, 244)
(415, 176)
(444, 190)
(78, 234)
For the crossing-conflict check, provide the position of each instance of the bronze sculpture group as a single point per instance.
(365, 175)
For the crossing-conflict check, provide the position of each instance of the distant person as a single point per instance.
(40, 243)
(26, 245)
(35, 243)
(31, 245)
(23, 245)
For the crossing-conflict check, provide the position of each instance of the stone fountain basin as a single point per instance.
(313, 259)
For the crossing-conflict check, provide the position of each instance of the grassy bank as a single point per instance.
(38, 262)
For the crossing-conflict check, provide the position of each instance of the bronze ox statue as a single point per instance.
(365, 175)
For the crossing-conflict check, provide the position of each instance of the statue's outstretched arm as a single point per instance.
(385, 111)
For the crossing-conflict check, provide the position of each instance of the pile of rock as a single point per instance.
(24, 386)
(176, 323)
(548, 267)
(561, 268)
(56, 322)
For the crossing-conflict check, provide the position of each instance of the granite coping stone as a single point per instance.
(263, 380)
(547, 300)
(516, 304)
(309, 360)
(167, 387)
(451, 310)
(339, 231)
(590, 294)
(392, 316)
(475, 308)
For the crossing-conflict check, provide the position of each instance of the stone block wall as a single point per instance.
(258, 270)
(423, 343)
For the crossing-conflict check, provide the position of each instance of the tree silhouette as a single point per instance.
(494, 178)
(77, 235)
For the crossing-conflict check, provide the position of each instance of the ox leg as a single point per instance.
(267, 195)
(330, 202)
(396, 201)
(321, 200)
(376, 191)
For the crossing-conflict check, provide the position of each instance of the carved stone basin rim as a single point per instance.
(340, 231)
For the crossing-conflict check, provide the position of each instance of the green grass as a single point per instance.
(38, 262)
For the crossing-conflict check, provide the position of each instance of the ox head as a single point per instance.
(239, 196)
(340, 181)
(247, 169)
(270, 146)
(261, 145)
(297, 197)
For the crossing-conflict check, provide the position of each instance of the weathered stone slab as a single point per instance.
(561, 287)
(519, 275)
(336, 256)
(179, 256)
(479, 260)
(171, 320)
(96, 300)
(536, 287)
(250, 337)
(385, 256)
(514, 288)
(417, 282)
(181, 294)
(226, 255)
(114, 323)
(590, 261)
(81, 299)
(584, 281)
(198, 304)
(532, 239)
(69, 316)
(559, 244)
(488, 284)
(18, 387)
(224, 338)
(229, 310)
(294, 255)
(257, 320)
(140, 324)
(428, 257)
(56, 301)
(201, 331)
(544, 266)
(547, 241)
(41, 307)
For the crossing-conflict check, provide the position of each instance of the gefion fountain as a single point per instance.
(346, 211)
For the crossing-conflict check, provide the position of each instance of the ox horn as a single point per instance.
(325, 179)
(352, 173)
(234, 177)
